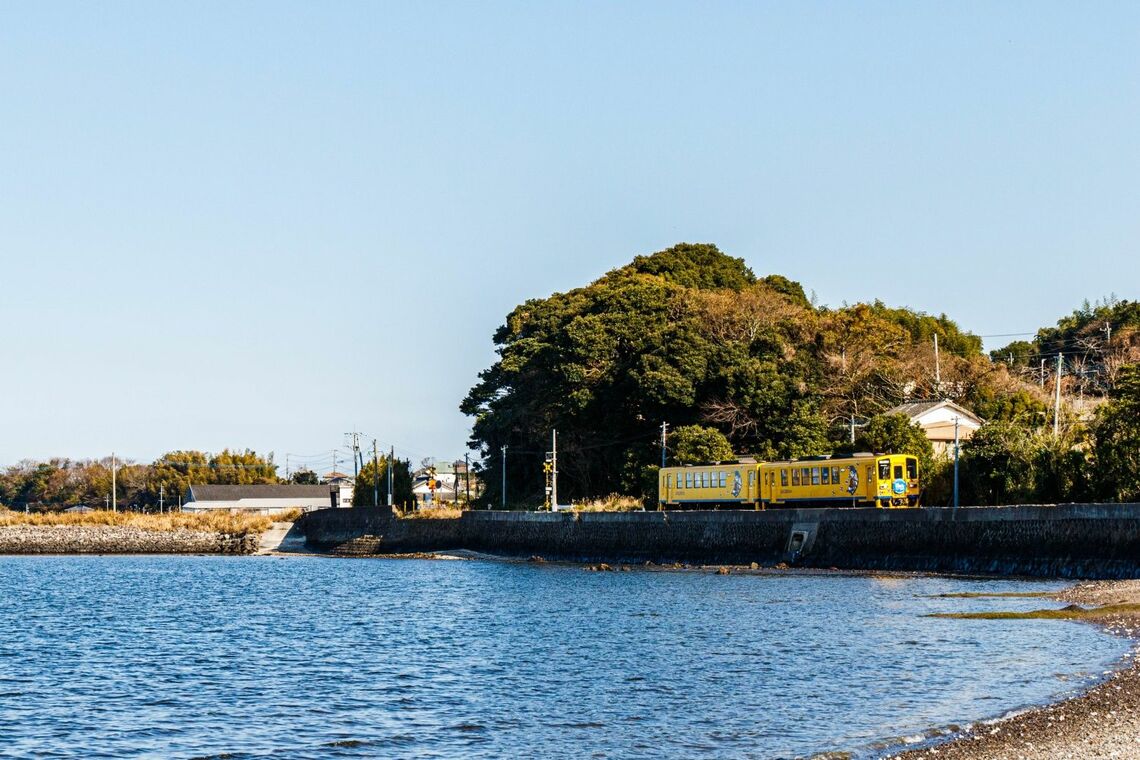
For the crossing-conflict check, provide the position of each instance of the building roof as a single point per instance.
(259, 491)
(915, 409)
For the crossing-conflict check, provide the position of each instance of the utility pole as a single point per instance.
(114, 499)
(355, 455)
(937, 370)
(287, 467)
(1057, 399)
(853, 430)
(1107, 334)
(467, 476)
(504, 488)
(955, 513)
(375, 475)
(1042, 372)
(554, 469)
(161, 494)
(391, 472)
(664, 429)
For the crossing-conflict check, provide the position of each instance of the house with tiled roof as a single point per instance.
(937, 419)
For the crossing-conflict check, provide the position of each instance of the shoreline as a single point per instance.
(1102, 721)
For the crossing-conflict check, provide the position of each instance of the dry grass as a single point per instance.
(212, 522)
(431, 513)
(611, 503)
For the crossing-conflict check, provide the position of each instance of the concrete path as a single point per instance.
(283, 538)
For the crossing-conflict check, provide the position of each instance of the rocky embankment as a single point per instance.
(120, 539)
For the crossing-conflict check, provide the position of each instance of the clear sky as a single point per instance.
(266, 224)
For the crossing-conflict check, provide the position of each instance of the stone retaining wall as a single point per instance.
(1073, 540)
(118, 539)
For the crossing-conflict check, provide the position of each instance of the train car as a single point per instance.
(860, 480)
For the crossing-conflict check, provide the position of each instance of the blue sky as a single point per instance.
(266, 224)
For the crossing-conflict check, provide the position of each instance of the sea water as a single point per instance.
(241, 657)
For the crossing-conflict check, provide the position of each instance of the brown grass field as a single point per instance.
(221, 522)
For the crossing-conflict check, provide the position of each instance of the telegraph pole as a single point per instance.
(937, 370)
(467, 476)
(1107, 333)
(391, 472)
(161, 494)
(853, 430)
(504, 488)
(355, 455)
(375, 475)
(664, 429)
(114, 499)
(554, 469)
(955, 466)
(1042, 372)
(1057, 399)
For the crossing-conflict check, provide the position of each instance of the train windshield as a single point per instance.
(911, 468)
(884, 469)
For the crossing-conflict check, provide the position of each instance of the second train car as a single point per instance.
(859, 480)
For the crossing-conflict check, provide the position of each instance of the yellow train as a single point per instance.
(859, 480)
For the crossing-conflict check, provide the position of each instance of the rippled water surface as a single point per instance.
(316, 657)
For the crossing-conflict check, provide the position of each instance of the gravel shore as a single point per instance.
(1103, 722)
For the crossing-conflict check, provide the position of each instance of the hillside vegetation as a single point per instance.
(693, 337)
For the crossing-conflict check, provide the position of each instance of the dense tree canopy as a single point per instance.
(691, 336)
(366, 485)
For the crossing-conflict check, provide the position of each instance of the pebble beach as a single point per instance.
(1103, 722)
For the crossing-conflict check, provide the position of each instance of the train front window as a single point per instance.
(911, 468)
(898, 472)
(884, 469)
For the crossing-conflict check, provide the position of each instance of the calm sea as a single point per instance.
(316, 657)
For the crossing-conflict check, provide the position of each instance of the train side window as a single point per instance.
(884, 469)
(795, 476)
(898, 472)
(783, 477)
(815, 476)
(911, 468)
(688, 480)
(723, 479)
(825, 473)
(806, 476)
(752, 478)
(834, 474)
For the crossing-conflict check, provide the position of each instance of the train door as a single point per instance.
(872, 485)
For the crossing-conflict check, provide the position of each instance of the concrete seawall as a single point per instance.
(1070, 541)
(118, 539)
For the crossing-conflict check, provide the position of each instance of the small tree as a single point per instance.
(305, 478)
(695, 444)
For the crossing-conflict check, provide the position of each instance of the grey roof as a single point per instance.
(260, 491)
(914, 409)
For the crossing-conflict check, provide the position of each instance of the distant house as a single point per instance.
(937, 418)
(342, 487)
(262, 498)
(450, 484)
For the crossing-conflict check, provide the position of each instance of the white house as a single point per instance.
(937, 419)
(262, 498)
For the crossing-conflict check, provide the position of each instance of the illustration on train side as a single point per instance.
(858, 480)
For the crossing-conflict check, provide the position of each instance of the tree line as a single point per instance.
(60, 483)
(692, 337)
